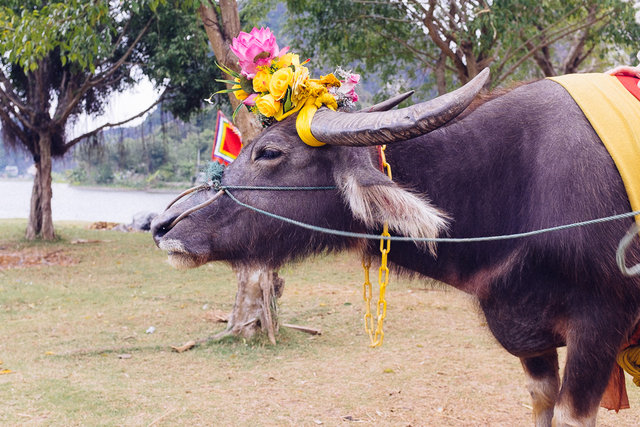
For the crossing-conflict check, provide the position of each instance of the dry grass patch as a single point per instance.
(75, 341)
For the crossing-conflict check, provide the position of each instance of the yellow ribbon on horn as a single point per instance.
(305, 116)
(303, 124)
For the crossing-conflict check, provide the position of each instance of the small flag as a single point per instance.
(227, 141)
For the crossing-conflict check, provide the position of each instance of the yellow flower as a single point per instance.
(261, 81)
(240, 94)
(300, 83)
(288, 59)
(280, 81)
(267, 105)
(330, 80)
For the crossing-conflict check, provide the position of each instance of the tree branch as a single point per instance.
(419, 53)
(546, 43)
(372, 2)
(10, 93)
(9, 108)
(11, 125)
(443, 45)
(506, 58)
(384, 18)
(74, 141)
(573, 59)
(100, 78)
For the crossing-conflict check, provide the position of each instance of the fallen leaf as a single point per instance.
(186, 346)
(49, 353)
(388, 371)
(6, 371)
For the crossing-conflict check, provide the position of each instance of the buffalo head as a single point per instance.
(364, 198)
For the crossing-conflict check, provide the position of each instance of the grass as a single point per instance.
(73, 337)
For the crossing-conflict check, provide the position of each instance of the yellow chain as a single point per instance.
(377, 337)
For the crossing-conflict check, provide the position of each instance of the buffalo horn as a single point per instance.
(385, 127)
(389, 103)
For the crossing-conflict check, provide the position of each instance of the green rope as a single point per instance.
(275, 188)
(420, 239)
(215, 171)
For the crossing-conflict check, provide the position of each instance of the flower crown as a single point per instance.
(274, 84)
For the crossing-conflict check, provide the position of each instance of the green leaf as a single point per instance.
(287, 105)
(227, 90)
(231, 82)
(227, 70)
(235, 112)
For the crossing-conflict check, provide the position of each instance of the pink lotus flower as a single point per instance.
(255, 49)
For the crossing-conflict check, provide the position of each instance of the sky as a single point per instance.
(120, 107)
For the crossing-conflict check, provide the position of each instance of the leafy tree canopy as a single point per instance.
(61, 59)
(450, 41)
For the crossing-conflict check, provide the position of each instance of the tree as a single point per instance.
(255, 306)
(453, 40)
(61, 59)
(221, 21)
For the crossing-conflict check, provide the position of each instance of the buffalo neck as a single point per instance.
(475, 174)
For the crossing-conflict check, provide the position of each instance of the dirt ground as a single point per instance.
(33, 257)
(76, 347)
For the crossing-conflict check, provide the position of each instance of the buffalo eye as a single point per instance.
(268, 154)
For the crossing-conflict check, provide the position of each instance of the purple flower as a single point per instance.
(250, 100)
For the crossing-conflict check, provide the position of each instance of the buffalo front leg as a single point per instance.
(543, 382)
(591, 353)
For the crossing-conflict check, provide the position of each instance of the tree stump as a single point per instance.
(255, 308)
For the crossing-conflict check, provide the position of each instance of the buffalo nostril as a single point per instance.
(161, 226)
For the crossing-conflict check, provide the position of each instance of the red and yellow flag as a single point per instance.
(227, 141)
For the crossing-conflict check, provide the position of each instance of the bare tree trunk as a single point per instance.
(40, 220)
(255, 309)
(258, 287)
(220, 31)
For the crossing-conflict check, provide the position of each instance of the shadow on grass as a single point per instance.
(286, 340)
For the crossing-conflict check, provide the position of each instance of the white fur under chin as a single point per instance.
(178, 257)
(406, 213)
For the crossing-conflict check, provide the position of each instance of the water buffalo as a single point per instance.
(511, 162)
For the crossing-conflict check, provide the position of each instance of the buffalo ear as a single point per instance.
(374, 199)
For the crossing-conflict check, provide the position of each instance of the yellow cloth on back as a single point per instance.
(614, 114)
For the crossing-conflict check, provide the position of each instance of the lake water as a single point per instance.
(80, 204)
